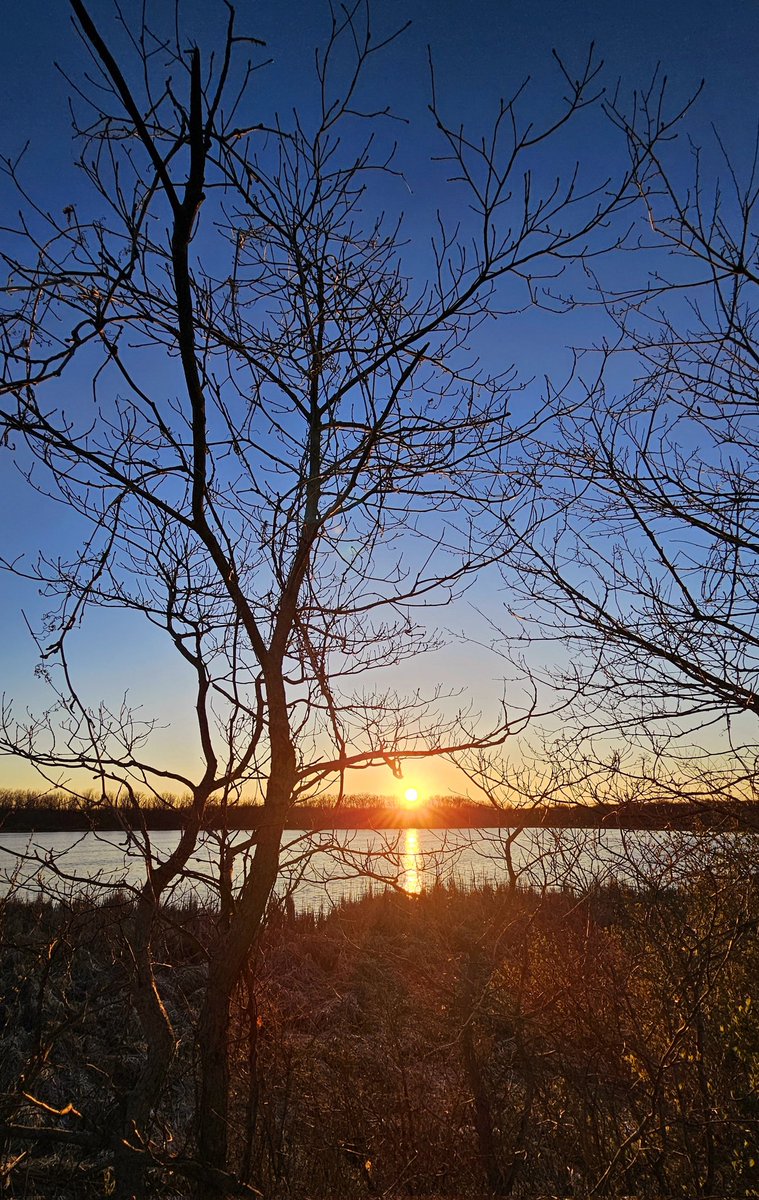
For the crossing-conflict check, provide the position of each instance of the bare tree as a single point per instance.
(279, 446)
(646, 559)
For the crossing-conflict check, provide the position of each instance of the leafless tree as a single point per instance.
(646, 558)
(279, 446)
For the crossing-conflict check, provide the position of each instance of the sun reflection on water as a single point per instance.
(411, 875)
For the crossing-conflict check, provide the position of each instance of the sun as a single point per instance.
(411, 796)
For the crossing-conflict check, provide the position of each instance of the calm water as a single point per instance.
(320, 869)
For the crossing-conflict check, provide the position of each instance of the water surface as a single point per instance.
(323, 868)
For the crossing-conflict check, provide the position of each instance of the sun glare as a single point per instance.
(411, 795)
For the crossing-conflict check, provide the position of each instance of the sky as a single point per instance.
(481, 50)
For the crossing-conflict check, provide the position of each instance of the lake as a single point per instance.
(320, 869)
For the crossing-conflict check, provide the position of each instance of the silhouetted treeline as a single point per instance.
(29, 811)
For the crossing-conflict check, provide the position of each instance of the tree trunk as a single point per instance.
(224, 970)
(159, 1036)
(483, 1118)
(481, 1111)
(141, 1101)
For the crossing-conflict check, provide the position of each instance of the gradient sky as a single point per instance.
(482, 49)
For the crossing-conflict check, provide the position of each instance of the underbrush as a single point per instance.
(456, 1043)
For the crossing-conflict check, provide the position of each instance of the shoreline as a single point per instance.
(671, 817)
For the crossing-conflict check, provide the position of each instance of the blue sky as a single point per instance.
(482, 50)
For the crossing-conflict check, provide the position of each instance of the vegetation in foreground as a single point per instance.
(458, 1043)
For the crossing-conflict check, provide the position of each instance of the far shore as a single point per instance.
(21, 817)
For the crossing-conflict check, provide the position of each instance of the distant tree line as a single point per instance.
(26, 811)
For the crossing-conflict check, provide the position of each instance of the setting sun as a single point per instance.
(411, 795)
